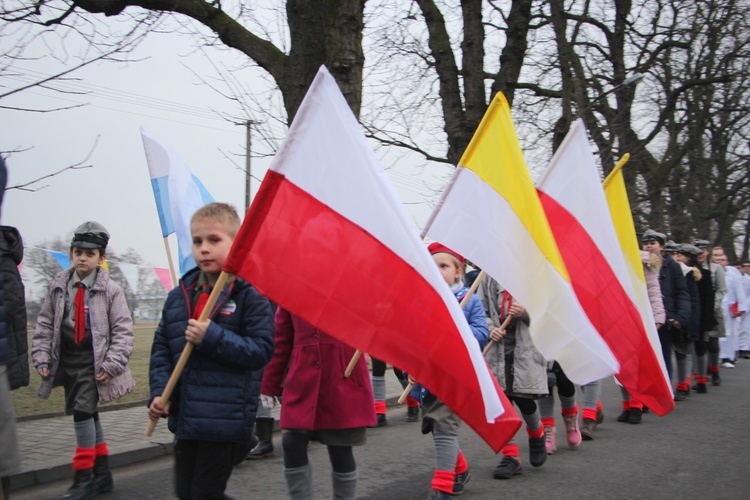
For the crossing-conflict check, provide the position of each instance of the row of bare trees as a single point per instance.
(433, 66)
(145, 298)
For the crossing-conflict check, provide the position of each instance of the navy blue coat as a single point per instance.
(13, 305)
(692, 328)
(674, 291)
(217, 396)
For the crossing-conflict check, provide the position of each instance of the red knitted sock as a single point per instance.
(569, 412)
(589, 413)
(511, 450)
(380, 407)
(102, 449)
(442, 480)
(535, 434)
(461, 464)
(84, 458)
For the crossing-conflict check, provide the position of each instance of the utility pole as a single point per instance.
(248, 177)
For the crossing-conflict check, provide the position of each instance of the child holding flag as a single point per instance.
(452, 471)
(83, 340)
(213, 406)
(378, 390)
(519, 367)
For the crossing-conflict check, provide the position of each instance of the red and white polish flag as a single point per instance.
(576, 207)
(328, 240)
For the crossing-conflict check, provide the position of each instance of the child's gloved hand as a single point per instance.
(268, 402)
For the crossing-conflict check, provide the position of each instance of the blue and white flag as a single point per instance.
(178, 194)
(61, 258)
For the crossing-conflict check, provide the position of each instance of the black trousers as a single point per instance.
(202, 468)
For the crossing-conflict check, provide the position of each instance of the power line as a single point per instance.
(227, 130)
(115, 94)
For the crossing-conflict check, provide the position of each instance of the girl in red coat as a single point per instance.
(315, 391)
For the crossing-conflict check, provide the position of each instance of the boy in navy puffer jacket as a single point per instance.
(213, 407)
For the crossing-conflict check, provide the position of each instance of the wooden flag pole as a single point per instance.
(172, 382)
(492, 342)
(464, 301)
(352, 363)
(171, 264)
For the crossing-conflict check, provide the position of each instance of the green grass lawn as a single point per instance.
(26, 402)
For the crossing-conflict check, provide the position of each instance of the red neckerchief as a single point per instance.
(506, 301)
(204, 292)
(79, 313)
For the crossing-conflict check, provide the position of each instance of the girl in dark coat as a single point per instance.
(686, 337)
(673, 291)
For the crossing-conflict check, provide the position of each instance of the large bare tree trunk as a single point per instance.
(462, 113)
(325, 32)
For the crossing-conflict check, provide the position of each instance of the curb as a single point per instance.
(102, 409)
(56, 470)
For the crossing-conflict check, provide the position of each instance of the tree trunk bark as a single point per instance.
(326, 33)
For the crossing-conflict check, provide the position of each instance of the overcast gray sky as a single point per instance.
(116, 191)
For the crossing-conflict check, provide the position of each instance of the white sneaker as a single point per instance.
(727, 364)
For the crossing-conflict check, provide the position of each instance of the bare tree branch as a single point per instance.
(77, 166)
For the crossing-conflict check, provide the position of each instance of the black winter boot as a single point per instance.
(412, 413)
(83, 487)
(102, 475)
(264, 431)
(537, 451)
(6, 486)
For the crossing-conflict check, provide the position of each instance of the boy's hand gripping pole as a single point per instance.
(218, 287)
(464, 301)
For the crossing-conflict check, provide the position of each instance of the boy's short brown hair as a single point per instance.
(220, 212)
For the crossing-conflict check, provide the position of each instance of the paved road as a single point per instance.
(700, 451)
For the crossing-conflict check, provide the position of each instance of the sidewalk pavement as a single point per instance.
(47, 444)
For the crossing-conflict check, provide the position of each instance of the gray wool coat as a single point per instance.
(111, 331)
(529, 366)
